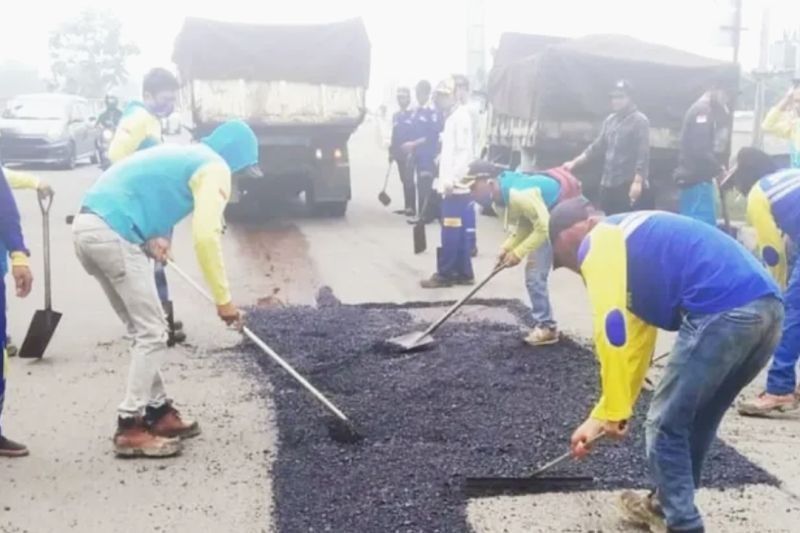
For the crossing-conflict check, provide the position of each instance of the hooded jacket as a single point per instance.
(138, 129)
(148, 193)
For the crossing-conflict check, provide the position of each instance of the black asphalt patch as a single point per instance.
(479, 403)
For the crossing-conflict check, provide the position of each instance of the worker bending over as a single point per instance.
(125, 217)
(454, 257)
(13, 244)
(528, 199)
(19, 180)
(772, 200)
(646, 270)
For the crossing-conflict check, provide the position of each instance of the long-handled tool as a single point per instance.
(383, 196)
(418, 340)
(418, 232)
(533, 483)
(45, 321)
(340, 428)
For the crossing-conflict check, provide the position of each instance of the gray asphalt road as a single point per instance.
(63, 407)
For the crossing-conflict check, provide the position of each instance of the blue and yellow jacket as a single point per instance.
(16, 179)
(10, 228)
(772, 209)
(645, 270)
(138, 129)
(148, 193)
(528, 199)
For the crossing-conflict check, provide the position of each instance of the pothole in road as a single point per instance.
(480, 402)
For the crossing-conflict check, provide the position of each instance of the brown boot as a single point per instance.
(9, 448)
(134, 439)
(166, 421)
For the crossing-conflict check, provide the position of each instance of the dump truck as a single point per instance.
(300, 87)
(549, 96)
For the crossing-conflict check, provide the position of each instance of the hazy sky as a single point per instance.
(410, 39)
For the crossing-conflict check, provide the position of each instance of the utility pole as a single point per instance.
(736, 30)
(761, 77)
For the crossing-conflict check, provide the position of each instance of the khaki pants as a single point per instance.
(126, 275)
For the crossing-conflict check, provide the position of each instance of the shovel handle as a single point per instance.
(561, 458)
(44, 207)
(455, 307)
(265, 348)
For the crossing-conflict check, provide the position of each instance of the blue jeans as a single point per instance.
(454, 260)
(714, 357)
(782, 378)
(537, 269)
(2, 345)
(697, 202)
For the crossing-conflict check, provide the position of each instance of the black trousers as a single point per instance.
(405, 167)
(615, 200)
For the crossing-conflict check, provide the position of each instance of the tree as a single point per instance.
(88, 54)
(17, 78)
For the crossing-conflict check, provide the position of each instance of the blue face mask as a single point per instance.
(163, 110)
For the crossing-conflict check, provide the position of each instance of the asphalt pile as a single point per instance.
(479, 403)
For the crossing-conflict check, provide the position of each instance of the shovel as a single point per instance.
(45, 320)
(339, 428)
(419, 340)
(383, 197)
(534, 483)
(418, 232)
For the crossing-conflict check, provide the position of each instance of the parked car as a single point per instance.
(48, 128)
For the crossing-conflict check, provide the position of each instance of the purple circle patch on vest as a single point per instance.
(615, 328)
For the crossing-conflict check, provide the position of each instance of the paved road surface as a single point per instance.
(63, 407)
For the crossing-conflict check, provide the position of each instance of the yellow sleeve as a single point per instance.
(771, 248)
(131, 132)
(21, 180)
(624, 343)
(777, 123)
(19, 259)
(533, 220)
(211, 188)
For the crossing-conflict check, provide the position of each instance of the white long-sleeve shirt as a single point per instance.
(458, 150)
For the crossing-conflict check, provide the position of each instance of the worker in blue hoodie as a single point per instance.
(14, 244)
(138, 129)
(124, 223)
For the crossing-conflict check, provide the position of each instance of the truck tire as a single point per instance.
(330, 209)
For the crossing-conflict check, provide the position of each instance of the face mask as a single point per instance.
(162, 110)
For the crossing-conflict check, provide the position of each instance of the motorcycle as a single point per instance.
(103, 142)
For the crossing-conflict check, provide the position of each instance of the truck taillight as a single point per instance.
(318, 153)
(337, 154)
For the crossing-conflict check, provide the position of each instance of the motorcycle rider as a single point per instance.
(110, 117)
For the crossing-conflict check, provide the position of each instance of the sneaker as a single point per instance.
(134, 439)
(11, 348)
(542, 336)
(768, 405)
(166, 421)
(643, 511)
(464, 281)
(436, 282)
(9, 448)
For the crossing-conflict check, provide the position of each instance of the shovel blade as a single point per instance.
(489, 486)
(411, 342)
(40, 332)
(420, 241)
(384, 198)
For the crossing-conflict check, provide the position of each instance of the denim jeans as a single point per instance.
(714, 357)
(782, 373)
(537, 270)
(698, 202)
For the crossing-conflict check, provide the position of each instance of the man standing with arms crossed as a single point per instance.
(624, 146)
(454, 257)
